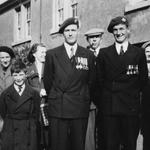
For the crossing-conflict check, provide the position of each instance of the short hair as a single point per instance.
(18, 66)
(33, 49)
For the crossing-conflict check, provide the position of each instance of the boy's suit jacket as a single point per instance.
(68, 86)
(20, 114)
(121, 78)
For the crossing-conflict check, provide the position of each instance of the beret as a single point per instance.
(94, 31)
(8, 50)
(116, 21)
(68, 22)
(146, 44)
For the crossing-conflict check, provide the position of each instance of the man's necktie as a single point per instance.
(72, 57)
(95, 54)
(121, 51)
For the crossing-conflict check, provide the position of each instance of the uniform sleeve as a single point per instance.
(92, 73)
(100, 70)
(143, 70)
(48, 73)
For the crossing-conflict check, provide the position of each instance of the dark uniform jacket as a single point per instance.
(68, 86)
(121, 79)
(20, 115)
(146, 99)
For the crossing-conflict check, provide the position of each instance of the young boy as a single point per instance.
(19, 108)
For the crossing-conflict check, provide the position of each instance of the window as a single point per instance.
(60, 11)
(133, 2)
(22, 23)
(63, 9)
(18, 19)
(28, 19)
(74, 8)
(133, 5)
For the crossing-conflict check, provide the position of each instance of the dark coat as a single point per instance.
(5, 79)
(121, 79)
(33, 78)
(20, 115)
(68, 86)
(146, 99)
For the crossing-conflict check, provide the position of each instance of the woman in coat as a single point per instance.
(36, 57)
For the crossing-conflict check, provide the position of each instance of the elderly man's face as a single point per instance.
(147, 53)
(70, 34)
(94, 41)
(121, 33)
(5, 59)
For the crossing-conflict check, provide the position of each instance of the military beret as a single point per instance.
(146, 44)
(68, 22)
(94, 31)
(116, 21)
(8, 50)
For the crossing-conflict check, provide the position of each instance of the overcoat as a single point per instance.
(20, 115)
(68, 85)
(121, 78)
(5, 79)
(33, 78)
(34, 82)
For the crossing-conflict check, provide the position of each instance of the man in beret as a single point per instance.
(93, 136)
(122, 73)
(69, 74)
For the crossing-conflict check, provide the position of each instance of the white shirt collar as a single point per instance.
(39, 67)
(96, 51)
(68, 47)
(125, 46)
(17, 89)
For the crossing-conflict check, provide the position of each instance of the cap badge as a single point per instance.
(123, 19)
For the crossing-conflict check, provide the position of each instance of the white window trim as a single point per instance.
(136, 6)
(67, 8)
(24, 37)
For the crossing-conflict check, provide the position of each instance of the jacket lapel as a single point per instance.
(64, 60)
(75, 74)
(26, 95)
(118, 65)
(12, 93)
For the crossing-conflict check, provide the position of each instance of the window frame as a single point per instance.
(64, 7)
(133, 6)
(24, 20)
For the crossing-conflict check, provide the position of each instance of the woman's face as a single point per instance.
(40, 54)
(5, 59)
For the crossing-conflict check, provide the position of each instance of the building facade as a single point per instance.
(24, 22)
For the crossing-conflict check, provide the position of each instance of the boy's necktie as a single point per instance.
(20, 88)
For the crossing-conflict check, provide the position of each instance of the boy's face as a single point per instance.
(19, 78)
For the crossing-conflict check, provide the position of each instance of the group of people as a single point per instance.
(76, 98)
